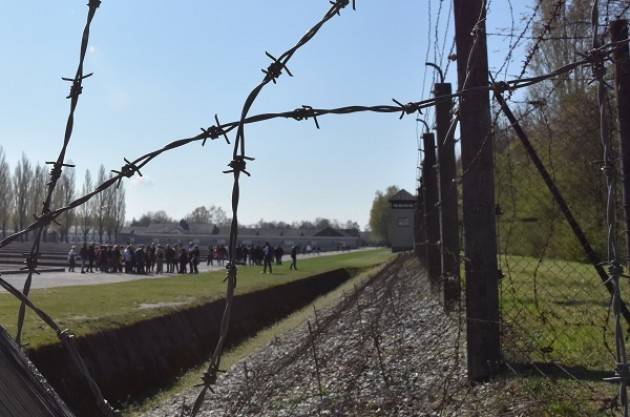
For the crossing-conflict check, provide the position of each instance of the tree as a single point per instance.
(120, 211)
(38, 190)
(322, 223)
(100, 203)
(62, 196)
(350, 224)
(6, 202)
(199, 215)
(218, 216)
(564, 129)
(150, 217)
(160, 217)
(21, 188)
(111, 207)
(85, 211)
(380, 213)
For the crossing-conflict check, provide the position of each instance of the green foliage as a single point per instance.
(566, 138)
(381, 212)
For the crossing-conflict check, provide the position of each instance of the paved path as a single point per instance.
(65, 279)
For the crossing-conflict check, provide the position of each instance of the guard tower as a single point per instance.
(401, 222)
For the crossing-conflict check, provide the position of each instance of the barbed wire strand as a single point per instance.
(615, 269)
(238, 165)
(56, 172)
(303, 113)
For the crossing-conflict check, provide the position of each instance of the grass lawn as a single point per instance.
(557, 311)
(90, 309)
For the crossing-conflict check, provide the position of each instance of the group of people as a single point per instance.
(255, 255)
(170, 259)
(136, 260)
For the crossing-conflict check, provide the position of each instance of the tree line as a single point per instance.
(216, 216)
(564, 129)
(24, 190)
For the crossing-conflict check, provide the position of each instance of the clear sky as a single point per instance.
(163, 68)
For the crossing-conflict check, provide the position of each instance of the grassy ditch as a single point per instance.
(263, 337)
(91, 309)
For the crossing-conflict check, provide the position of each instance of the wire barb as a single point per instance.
(342, 4)
(94, 4)
(274, 70)
(304, 113)
(409, 108)
(213, 132)
(127, 171)
(239, 164)
(77, 85)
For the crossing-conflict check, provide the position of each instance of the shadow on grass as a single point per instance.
(559, 371)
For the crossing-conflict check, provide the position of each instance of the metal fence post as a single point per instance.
(480, 239)
(621, 56)
(449, 222)
(431, 215)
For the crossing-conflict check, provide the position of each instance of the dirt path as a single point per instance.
(387, 349)
(65, 279)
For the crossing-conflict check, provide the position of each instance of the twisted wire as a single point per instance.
(238, 166)
(76, 88)
(130, 168)
(615, 268)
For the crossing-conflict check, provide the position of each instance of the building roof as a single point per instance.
(402, 195)
(175, 229)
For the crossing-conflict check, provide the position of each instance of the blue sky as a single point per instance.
(162, 69)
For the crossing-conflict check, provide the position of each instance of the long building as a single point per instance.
(325, 239)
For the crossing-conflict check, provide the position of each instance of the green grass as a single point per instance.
(557, 311)
(230, 357)
(90, 309)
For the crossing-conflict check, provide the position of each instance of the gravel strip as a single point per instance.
(387, 349)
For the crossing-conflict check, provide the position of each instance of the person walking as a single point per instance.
(168, 256)
(128, 259)
(267, 257)
(71, 259)
(293, 258)
(210, 250)
(140, 260)
(159, 256)
(195, 254)
(83, 253)
(91, 257)
(183, 260)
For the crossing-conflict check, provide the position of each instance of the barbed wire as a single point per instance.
(130, 168)
(65, 336)
(539, 39)
(520, 37)
(237, 166)
(615, 269)
(238, 163)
